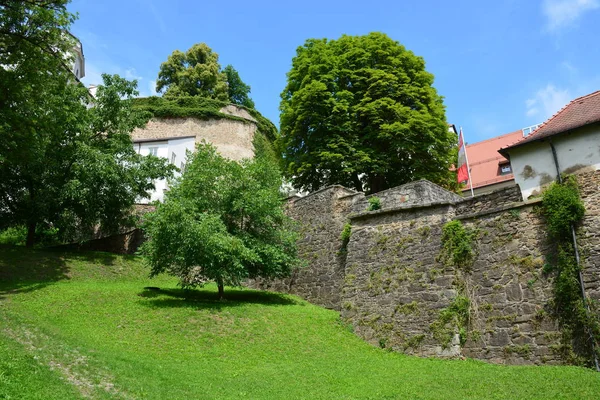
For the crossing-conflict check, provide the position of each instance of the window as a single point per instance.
(173, 156)
(527, 131)
(182, 169)
(505, 169)
(153, 151)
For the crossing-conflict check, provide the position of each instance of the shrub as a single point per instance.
(374, 203)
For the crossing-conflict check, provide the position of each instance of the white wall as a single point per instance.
(533, 164)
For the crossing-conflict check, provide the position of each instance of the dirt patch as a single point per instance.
(73, 366)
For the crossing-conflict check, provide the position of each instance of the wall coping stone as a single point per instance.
(376, 213)
(499, 209)
(323, 190)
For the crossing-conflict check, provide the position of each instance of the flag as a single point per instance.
(463, 173)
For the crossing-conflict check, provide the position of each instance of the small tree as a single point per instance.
(223, 221)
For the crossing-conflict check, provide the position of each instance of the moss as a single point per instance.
(457, 245)
(413, 342)
(432, 274)
(408, 308)
(349, 279)
(451, 320)
(522, 350)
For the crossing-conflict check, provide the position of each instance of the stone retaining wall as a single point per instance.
(391, 283)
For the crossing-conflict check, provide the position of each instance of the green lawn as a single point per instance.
(82, 325)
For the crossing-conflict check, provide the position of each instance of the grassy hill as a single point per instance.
(78, 325)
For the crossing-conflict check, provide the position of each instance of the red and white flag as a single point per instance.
(462, 167)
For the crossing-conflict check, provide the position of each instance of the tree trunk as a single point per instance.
(30, 234)
(221, 288)
(377, 184)
(357, 183)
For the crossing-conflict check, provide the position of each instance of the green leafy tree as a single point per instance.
(194, 73)
(238, 91)
(223, 221)
(361, 111)
(66, 160)
(197, 72)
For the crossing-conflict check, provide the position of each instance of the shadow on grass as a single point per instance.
(25, 270)
(203, 298)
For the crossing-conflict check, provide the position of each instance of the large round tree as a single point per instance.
(361, 111)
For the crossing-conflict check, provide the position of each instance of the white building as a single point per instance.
(567, 143)
(173, 149)
(78, 61)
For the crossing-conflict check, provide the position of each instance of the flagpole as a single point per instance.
(467, 161)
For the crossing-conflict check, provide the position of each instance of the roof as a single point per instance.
(580, 112)
(484, 159)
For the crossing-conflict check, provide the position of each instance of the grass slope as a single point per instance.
(82, 325)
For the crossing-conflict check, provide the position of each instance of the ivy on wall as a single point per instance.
(458, 251)
(563, 208)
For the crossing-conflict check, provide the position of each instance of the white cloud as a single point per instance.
(131, 74)
(561, 13)
(546, 102)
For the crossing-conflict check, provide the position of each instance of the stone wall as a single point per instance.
(589, 232)
(232, 138)
(322, 216)
(412, 194)
(392, 283)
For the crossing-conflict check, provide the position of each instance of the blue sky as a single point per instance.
(500, 65)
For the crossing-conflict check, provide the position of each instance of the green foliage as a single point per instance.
(457, 244)
(562, 208)
(14, 236)
(361, 111)
(451, 320)
(223, 221)
(345, 236)
(66, 160)
(194, 73)
(374, 203)
(197, 72)
(237, 90)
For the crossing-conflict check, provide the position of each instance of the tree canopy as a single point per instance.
(237, 90)
(66, 159)
(222, 221)
(361, 111)
(197, 72)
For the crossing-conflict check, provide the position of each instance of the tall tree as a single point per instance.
(197, 72)
(361, 111)
(194, 73)
(66, 160)
(223, 222)
(238, 91)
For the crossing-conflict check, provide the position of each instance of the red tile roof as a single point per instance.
(484, 159)
(582, 111)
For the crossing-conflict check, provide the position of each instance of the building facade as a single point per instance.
(569, 142)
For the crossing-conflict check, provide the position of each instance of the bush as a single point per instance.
(14, 236)
(374, 203)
